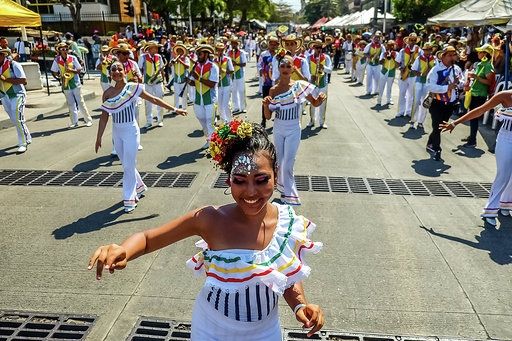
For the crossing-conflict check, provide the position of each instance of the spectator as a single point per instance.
(89, 55)
(19, 46)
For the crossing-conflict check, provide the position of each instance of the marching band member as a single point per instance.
(191, 89)
(360, 62)
(226, 69)
(180, 66)
(348, 48)
(239, 60)
(320, 66)
(13, 96)
(106, 58)
(353, 78)
(67, 68)
(120, 102)
(372, 52)
(205, 77)
(150, 64)
(406, 58)
(421, 67)
(387, 60)
(265, 69)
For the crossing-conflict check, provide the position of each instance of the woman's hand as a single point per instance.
(181, 112)
(109, 256)
(311, 316)
(446, 126)
(98, 145)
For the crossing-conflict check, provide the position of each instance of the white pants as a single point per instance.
(76, 102)
(260, 79)
(419, 112)
(156, 90)
(105, 86)
(191, 93)
(372, 78)
(206, 116)
(15, 107)
(406, 96)
(318, 112)
(385, 83)
(224, 111)
(359, 72)
(348, 61)
(180, 102)
(238, 94)
(501, 190)
(286, 140)
(126, 140)
(209, 324)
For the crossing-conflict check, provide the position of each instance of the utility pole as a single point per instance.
(385, 11)
(190, 16)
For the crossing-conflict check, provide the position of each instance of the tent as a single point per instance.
(320, 22)
(14, 15)
(335, 22)
(475, 13)
(365, 18)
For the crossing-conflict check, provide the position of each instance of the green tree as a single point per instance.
(281, 12)
(74, 8)
(317, 9)
(419, 11)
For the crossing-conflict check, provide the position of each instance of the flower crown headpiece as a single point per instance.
(224, 136)
(280, 53)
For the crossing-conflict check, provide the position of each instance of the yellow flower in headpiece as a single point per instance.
(244, 130)
(215, 149)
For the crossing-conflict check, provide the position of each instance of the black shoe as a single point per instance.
(469, 145)
(430, 149)
(437, 156)
(464, 139)
(264, 124)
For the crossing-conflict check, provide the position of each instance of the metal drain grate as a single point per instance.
(336, 184)
(103, 179)
(16, 325)
(152, 329)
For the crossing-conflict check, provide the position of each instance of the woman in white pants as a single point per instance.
(500, 197)
(285, 100)
(120, 101)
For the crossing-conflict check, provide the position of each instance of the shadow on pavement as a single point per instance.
(430, 168)
(5, 151)
(309, 132)
(96, 221)
(54, 131)
(90, 165)
(196, 133)
(413, 134)
(356, 85)
(183, 159)
(468, 151)
(397, 121)
(497, 241)
(45, 117)
(379, 107)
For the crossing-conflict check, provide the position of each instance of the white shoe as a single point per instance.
(147, 125)
(311, 124)
(129, 210)
(113, 153)
(22, 149)
(490, 221)
(74, 125)
(140, 147)
(505, 213)
(411, 126)
(161, 123)
(206, 145)
(323, 126)
(88, 124)
(390, 103)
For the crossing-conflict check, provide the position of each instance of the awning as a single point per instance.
(14, 15)
(475, 13)
(365, 18)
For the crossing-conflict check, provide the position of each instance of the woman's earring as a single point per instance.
(226, 191)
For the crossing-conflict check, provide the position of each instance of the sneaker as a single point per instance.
(408, 114)
(113, 153)
(437, 156)
(490, 220)
(430, 149)
(161, 123)
(379, 104)
(206, 145)
(469, 145)
(74, 125)
(129, 209)
(311, 124)
(420, 125)
(243, 111)
(323, 126)
(390, 102)
(505, 213)
(22, 149)
(147, 125)
(89, 123)
(264, 123)
(411, 125)
(464, 139)
(399, 115)
(140, 147)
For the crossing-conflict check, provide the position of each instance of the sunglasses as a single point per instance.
(124, 53)
(64, 49)
(318, 48)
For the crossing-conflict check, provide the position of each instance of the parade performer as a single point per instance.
(353, 78)
(191, 89)
(372, 52)
(421, 67)
(442, 81)
(406, 58)
(387, 60)
(13, 96)
(204, 77)
(67, 68)
(239, 60)
(226, 69)
(265, 69)
(120, 102)
(320, 66)
(285, 99)
(103, 62)
(348, 48)
(500, 197)
(152, 66)
(180, 66)
(361, 62)
(253, 252)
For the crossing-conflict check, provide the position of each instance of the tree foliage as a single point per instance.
(74, 8)
(317, 9)
(419, 11)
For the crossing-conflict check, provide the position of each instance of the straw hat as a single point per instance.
(412, 35)
(447, 49)
(205, 48)
(316, 42)
(428, 46)
(235, 39)
(5, 51)
(151, 43)
(105, 48)
(363, 42)
(272, 38)
(179, 46)
(391, 42)
(329, 40)
(220, 46)
(60, 46)
(378, 34)
(292, 37)
(121, 48)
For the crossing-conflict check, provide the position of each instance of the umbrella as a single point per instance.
(241, 33)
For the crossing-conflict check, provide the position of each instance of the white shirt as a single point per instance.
(436, 79)
(20, 47)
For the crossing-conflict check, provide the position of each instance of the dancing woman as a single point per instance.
(253, 251)
(120, 101)
(285, 99)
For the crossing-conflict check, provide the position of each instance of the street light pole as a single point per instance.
(190, 16)
(384, 22)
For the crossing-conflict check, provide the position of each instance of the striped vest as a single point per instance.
(236, 59)
(322, 82)
(152, 66)
(62, 67)
(224, 80)
(425, 63)
(202, 90)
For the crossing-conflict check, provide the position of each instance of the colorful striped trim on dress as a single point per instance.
(130, 92)
(298, 89)
(504, 114)
(489, 212)
(129, 203)
(278, 266)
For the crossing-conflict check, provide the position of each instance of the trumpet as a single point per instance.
(263, 45)
(157, 76)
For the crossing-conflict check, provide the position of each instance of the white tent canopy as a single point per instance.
(475, 13)
(365, 18)
(336, 21)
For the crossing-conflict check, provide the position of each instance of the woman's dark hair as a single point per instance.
(259, 141)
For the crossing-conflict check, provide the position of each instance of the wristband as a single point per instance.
(297, 307)
(452, 124)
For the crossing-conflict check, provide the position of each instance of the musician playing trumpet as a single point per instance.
(372, 53)
(226, 69)
(180, 67)
(152, 65)
(67, 68)
(320, 66)
(406, 58)
(388, 71)
(103, 63)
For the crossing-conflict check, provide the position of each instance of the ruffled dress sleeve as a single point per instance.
(280, 265)
(129, 94)
(503, 114)
(296, 95)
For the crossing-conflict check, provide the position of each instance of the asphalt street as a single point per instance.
(394, 264)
